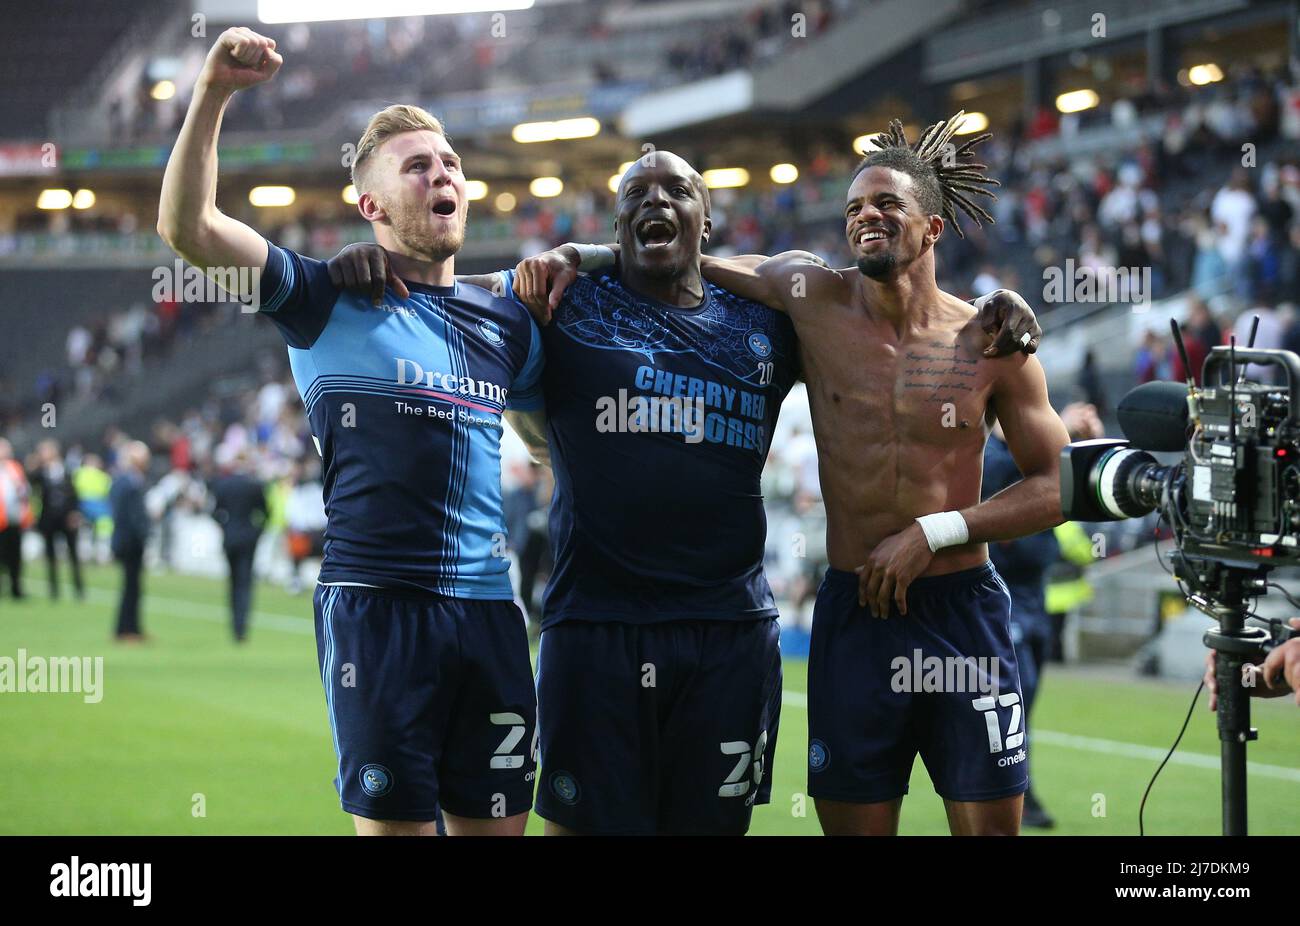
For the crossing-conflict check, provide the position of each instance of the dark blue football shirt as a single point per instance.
(660, 419)
(405, 404)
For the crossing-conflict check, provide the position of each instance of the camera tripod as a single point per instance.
(1222, 596)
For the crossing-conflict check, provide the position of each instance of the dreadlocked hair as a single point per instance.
(946, 178)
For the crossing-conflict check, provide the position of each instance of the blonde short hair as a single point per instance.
(383, 125)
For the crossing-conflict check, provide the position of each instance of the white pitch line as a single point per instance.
(1116, 748)
(193, 610)
(220, 614)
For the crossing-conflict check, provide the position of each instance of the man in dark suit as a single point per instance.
(239, 506)
(60, 513)
(1023, 565)
(130, 532)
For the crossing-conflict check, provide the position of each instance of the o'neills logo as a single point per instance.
(411, 373)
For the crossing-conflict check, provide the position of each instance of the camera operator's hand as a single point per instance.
(1249, 674)
(1278, 675)
(1281, 670)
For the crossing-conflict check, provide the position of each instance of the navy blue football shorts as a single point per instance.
(431, 703)
(666, 728)
(941, 680)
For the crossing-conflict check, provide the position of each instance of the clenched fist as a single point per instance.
(240, 59)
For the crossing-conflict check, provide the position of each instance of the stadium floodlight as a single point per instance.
(1202, 74)
(163, 90)
(527, 133)
(783, 173)
(972, 123)
(304, 11)
(475, 190)
(1076, 101)
(267, 196)
(582, 127)
(54, 199)
(725, 178)
(864, 143)
(505, 202)
(617, 177)
(83, 199)
(350, 195)
(546, 187)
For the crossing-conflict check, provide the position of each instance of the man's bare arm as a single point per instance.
(188, 217)
(364, 267)
(540, 281)
(531, 428)
(1035, 436)
(777, 282)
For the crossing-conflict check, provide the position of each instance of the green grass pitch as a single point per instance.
(191, 722)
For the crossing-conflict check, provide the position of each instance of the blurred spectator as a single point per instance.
(1288, 266)
(15, 517)
(239, 506)
(1068, 588)
(1232, 209)
(1023, 565)
(1263, 262)
(93, 485)
(1210, 270)
(525, 507)
(1200, 334)
(60, 517)
(1268, 336)
(130, 533)
(304, 518)
(1090, 382)
(1153, 358)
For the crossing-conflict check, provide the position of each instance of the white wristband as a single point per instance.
(592, 256)
(944, 529)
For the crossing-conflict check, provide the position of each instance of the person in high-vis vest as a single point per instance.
(15, 516)
(1068, 589)
(92, 484)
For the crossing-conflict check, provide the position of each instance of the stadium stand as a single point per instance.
(1133, 181)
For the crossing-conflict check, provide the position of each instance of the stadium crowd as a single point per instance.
(1139, 200)
(1196, 183)
(385, 58)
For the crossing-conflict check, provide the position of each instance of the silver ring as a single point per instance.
(1024, 339)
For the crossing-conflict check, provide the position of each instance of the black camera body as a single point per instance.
(1245, 489)
(1235, 496)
